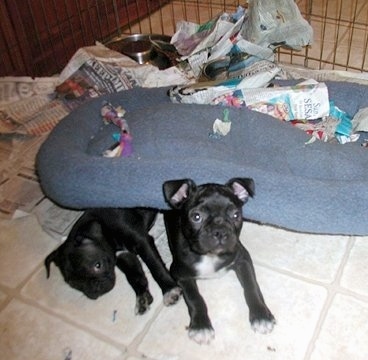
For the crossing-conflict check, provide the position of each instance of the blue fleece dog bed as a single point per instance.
(317, 188)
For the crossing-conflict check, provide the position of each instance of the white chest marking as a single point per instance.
(206, 267)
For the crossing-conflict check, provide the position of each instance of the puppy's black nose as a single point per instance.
(219, 234)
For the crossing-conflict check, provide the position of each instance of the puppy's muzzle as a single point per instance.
(96, 288)
(222, 238)
(220, 235)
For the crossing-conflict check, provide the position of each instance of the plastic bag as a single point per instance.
(276, 23)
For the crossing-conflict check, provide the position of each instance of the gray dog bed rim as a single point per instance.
(316, 188)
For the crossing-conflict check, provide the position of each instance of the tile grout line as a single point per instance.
(332, 290)
(132, 348)
(16, 294)
(127, 349)
(77, 325)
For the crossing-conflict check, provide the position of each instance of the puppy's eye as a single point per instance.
(196, 217)
(236, 215)
(98, 266)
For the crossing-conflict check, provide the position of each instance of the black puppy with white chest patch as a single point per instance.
(203, 231)
(103, 238)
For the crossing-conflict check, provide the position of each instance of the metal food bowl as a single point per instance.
(139, 46)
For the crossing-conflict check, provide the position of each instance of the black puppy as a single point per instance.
(105, 237)
(203, 232)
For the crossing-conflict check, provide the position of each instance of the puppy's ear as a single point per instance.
(49, 259)
(242, 188)
(176, 192)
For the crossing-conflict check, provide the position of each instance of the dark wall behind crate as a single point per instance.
(38, 37)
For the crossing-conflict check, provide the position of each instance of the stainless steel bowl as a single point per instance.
(139, 46)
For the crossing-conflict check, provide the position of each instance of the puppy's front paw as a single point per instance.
(172, 296)
(143, 303)
(202, 336)
(263, 324)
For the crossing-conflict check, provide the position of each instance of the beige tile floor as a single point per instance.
(316, 285)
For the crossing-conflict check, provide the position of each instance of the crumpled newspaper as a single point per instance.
(256, 75)
(306, 100)
(255, 31)
(360, 120)
(337, 125)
